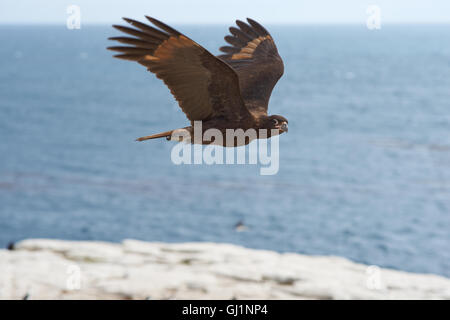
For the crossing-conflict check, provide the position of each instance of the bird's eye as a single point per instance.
(275, 121)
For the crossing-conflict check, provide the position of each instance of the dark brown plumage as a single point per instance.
(230, 91)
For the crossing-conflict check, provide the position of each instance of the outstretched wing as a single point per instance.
(203, 85)
(254, 56)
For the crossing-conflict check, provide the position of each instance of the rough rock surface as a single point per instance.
(54, 269)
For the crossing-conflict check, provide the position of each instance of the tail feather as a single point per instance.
(156, 136)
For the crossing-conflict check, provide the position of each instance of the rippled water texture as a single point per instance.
(364, 170)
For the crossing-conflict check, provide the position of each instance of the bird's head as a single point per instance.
(276, 122)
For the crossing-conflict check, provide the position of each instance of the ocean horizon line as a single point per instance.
(226, 24)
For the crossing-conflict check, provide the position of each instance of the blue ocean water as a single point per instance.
(364, 170)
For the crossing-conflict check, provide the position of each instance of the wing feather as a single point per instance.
(135, 42)
(254, 56)
(229, 49)
(204, 86)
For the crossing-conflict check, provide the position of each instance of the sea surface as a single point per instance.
(364, 170)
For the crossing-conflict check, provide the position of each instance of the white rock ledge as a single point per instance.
(55, 269)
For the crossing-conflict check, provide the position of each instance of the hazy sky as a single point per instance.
(226, 11)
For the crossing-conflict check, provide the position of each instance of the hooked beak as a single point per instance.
(284, 127)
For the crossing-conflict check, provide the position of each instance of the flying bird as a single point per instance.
(229, 91)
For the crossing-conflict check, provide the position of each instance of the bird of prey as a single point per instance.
(229, 91)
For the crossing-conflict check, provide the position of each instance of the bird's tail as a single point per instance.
(166, 134)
